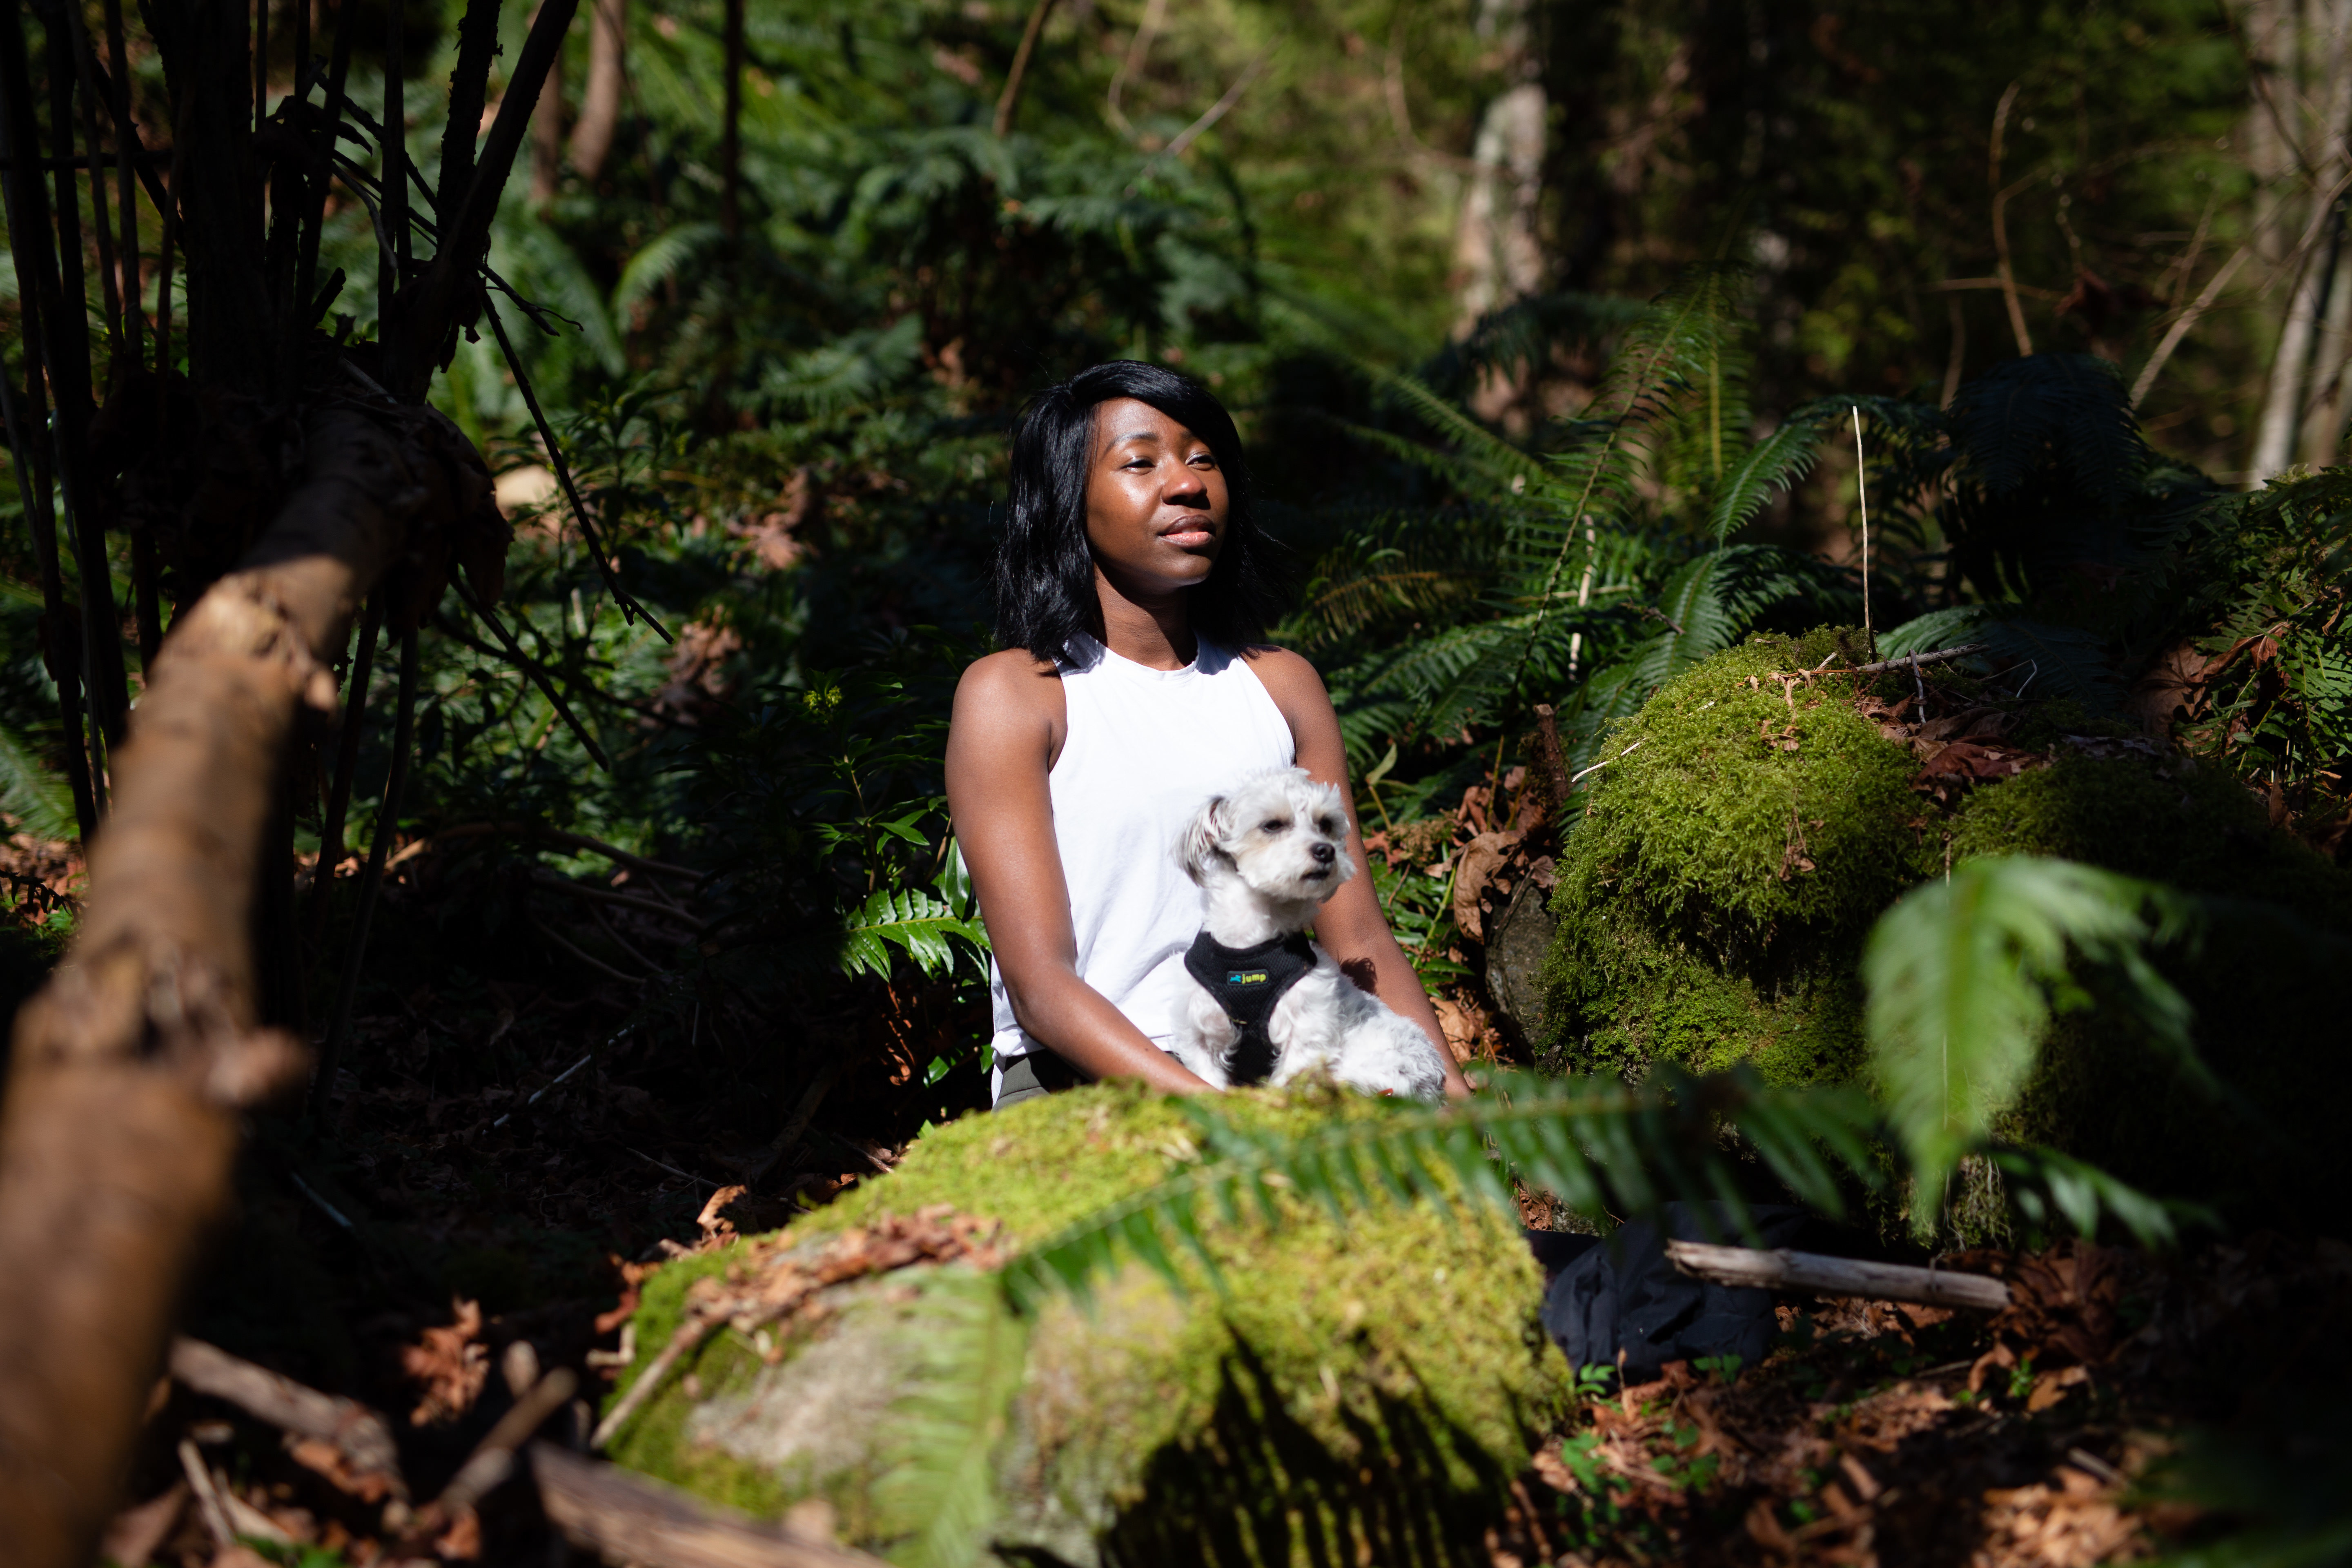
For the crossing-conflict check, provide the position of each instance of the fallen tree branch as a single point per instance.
(629, 1518)
(492, 1461)
(543, 928)
(618, 855)
(1781, 1270)
(555, 883)
(357, 1432)
(133, 1068)
(1917, 660)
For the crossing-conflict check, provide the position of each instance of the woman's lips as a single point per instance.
(1186, 538)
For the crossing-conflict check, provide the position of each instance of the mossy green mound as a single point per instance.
(1352, 1395)
(1713, 899)
(1749, 830)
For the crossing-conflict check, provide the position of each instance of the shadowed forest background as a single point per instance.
(627, 878)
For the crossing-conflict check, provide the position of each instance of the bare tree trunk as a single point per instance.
(1008, 102)
(547, 131)
(131, 1067)
(730, 131)
(600, 105)
(2312, 145)
(2323, 423)
(1496, 256)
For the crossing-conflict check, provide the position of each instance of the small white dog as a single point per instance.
(1264, 1002)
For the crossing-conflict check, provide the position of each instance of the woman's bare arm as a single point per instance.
(1350, 926)
(1008, 727)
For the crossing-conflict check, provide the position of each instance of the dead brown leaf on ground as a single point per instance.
(451, 1365)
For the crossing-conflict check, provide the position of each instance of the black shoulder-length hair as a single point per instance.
(1044, 567)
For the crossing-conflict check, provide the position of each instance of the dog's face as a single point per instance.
(1283, 835)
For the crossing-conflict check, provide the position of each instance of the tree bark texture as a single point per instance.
(120, 1126)
(2301, 116)
(600, 103)
(547, 131)
(1497, 254)
(1781, 1270)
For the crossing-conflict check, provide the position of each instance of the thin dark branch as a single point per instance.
(126, 140)
(443, 300)
(538, 667)
(1009, 102)
(387, 824)
(322, 166)
(530, 668)
(604, 568)
(539, 314)
(477, 44)
(621, 900)
(391, 339)
(346, 762)
(625, 944)
(544, 930)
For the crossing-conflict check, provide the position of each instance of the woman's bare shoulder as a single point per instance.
(1284, 672)
(1011, 675)
(1010, 688)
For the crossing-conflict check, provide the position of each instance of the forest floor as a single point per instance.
(499, 1155)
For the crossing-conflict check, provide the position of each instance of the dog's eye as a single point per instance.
(1275, 825)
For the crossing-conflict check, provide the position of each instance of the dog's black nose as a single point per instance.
(1324, 854)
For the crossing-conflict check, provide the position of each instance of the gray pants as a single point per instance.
(1039, 1072)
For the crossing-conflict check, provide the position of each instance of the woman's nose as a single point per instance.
(1324, 854)
(1185, 481)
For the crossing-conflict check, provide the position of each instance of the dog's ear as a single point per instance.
(1201, 838)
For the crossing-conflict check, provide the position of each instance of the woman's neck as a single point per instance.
(1154, 629)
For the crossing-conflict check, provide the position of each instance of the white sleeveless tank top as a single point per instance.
(1142, 750)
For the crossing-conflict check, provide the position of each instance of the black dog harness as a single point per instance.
(1247, 982)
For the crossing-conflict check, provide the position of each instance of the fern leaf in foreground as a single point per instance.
(1600, 1146)
(948, 1427)
(1962, 976)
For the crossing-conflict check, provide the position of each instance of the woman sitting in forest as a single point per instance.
(1134, 683)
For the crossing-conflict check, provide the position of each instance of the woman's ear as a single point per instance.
(1201, 838)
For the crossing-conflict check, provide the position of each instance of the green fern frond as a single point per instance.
(945, 1431)
(2044, 1185)
(1480, 444)
(35, 797)
(1470, 472)
(1773, 464)
(1680, 338)
(2047, 658)
(912, 920)
(2070, 408)
(1963, 975)
(1602, 1147)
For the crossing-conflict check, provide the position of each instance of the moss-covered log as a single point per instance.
(1714, 896)
(1356, 1395)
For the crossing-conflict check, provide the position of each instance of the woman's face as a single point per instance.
(1156, 500)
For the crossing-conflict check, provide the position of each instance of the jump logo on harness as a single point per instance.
(1246, 977)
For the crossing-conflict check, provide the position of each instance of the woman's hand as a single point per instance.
(1350, 925)
(1008, 728)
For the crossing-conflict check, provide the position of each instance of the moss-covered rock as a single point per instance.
(1713, 899)
(1352, 1395)
(1713, 902)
